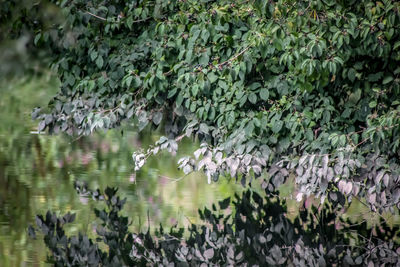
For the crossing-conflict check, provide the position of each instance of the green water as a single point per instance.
(37, 173)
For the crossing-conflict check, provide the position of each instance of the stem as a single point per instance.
(234, 57)
(94, 15)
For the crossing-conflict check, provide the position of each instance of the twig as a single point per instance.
(94, 15)
(373, 212)
(233, 58)
(104, 19)
(179, 138)
(168, 72)
(187, 218)
(356, 224)
(172, 179)
(362, 142)
(141, 20)
(148, 220)
(76, 139)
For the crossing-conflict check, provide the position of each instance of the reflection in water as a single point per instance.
(37, 173)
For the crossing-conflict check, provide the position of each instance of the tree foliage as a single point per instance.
(258, 233)
(19, 21)
(309, 88)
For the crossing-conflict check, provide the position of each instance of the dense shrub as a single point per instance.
(303, 87)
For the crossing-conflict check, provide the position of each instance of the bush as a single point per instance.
(309, 88)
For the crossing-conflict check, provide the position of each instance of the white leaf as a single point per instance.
(378, 178)
(303, 159)
(312, 159)
(299, 197)
(197, 153)
(372, 198)
(341, 186)
(299, 170)
(256, 169)
(386, 180)
(348, 187)
(247, 159)
(233, 167)
(187, 169)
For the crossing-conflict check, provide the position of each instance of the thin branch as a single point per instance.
(168, 72)
(356, 224)
(94, 15)
(187, 218)
(362, 142)
(141, 20)
(104, 19)
(76, 139)
(172, 179)
(148, 220)
(234, 57)
(373, 212)
(179, 138)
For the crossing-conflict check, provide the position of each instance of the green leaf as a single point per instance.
(129, 22)
(179, 100)
(223, 85)
(205, 34)
(204, 59)
(253, 98)
(70, 79)
(249, 129)
(375, 77)
(334, 139)
(387, 79)
(193, 106)
(254, 86)
(91, 85)
(277, 126)
(396, 45)
(355, 96)
(195, 89)
(342, 140)
(93, 55)
(243, 100)
(351, 74)
(264, 94)
(129, 81)
(172, 92)
(372, 104)
(99, 62)
(37, 38)
(212, 77)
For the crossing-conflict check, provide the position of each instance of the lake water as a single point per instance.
(37, 174)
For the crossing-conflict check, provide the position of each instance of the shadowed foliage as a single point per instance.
(257, 233)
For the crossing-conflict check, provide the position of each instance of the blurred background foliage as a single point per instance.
(20, 20)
